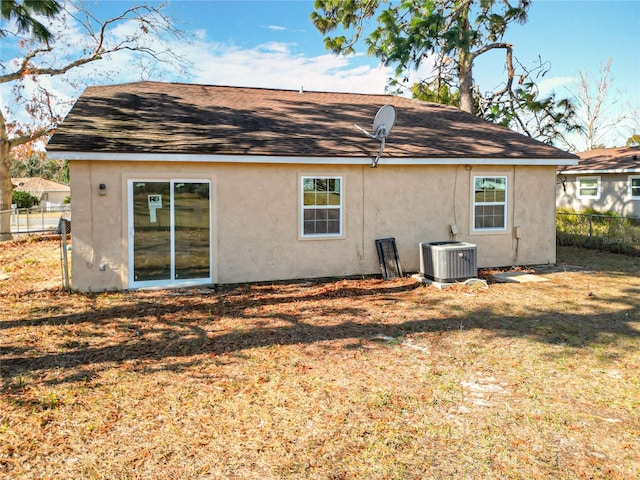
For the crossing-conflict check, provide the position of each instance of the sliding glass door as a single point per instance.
(169, 233)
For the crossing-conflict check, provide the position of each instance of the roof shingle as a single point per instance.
(38, 184)
(608, 159)
(152, 117)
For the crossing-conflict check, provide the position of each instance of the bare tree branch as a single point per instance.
(508, 62)
(151, 27)
(36, 134)
(139, 13)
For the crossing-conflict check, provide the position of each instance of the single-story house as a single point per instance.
(181, 184)
(606, 180)
(48, 192)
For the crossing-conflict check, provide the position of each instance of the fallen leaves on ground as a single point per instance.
(346, 378)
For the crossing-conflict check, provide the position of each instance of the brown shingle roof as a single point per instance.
(608, 159)
(151, 117)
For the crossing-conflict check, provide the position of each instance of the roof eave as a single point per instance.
(207, 158)
(598, 172)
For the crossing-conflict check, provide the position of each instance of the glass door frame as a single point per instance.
(171, 282)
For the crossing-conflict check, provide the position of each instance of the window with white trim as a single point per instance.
(489, 203)
(321, 214)
(634, 187)
(588, 187)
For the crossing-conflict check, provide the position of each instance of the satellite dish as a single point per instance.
(383, 122)
(382, 125)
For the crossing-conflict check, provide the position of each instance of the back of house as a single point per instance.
(178, 184)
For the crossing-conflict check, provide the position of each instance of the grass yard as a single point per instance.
(343, 379)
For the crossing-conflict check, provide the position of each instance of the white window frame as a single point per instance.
(631, 179)
(579, 188)
(475, 203)
(303, 208)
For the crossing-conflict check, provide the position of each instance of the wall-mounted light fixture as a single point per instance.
(102, 189)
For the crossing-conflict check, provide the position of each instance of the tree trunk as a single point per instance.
(465, 58)
(6, 189)
(465, 79)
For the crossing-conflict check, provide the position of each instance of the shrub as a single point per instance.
(24, 199)
(594, 229)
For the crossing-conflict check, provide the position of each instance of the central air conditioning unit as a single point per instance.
(448, 261)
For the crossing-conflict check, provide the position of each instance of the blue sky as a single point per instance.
(273, 44)
(571, 34)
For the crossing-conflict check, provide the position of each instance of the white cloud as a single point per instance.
(274, 47)
(561, 86)
(266, 65)
(274, 65)
(276, 27)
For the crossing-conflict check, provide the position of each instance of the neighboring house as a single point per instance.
(607, 180)
(49, 193)
(178, 184)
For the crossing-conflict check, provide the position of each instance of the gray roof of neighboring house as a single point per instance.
(152, 117)
(607, 160)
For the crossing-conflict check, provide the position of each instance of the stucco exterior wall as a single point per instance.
(615, 195)
(256, 217)
(98, 222)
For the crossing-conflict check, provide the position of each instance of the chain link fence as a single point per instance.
(20, 222)
(602, 232)
(38, 255)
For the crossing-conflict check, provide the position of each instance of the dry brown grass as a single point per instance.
(339, 379)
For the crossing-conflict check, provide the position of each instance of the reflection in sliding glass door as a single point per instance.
(192, 230)
(170, 233)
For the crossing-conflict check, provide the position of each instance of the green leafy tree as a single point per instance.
(521, 108)
(22, 13)
(436, 92)
(36, 164)
(633, 140)
(59, 55)
(23, 199)
(450, 34)
(32, 166)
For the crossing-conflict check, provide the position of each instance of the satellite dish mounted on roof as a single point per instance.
(382, 125)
